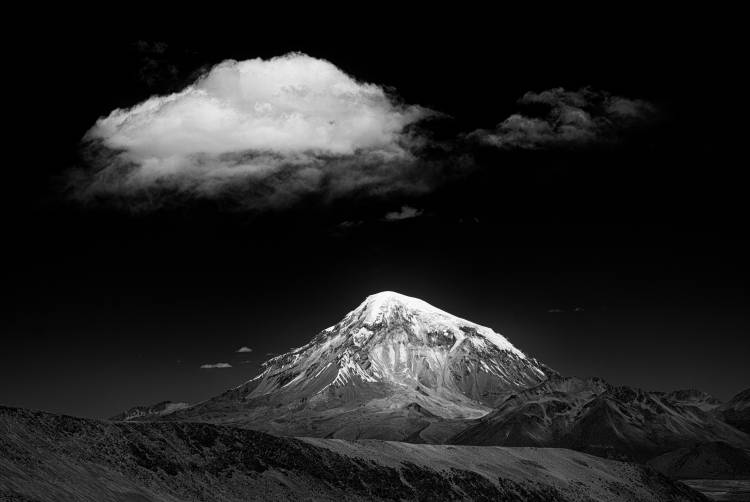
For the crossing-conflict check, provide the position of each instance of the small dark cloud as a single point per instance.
(559, 311)
(217, 366)
(244, 349)
(404, 213)
(568, 119)
(350, 224)
(470, 219)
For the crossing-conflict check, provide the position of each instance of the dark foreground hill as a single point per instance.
(48, 457)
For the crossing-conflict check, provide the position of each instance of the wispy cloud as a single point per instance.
(568, 119)
(244, 349)
(404, 213)
(558, 311)
(350, 224)
(215, 366)
(261, 132)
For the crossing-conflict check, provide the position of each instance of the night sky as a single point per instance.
(624, 258)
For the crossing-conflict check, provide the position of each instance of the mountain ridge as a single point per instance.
(595, 416)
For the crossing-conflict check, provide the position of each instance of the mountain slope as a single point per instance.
(52, 458)
(736, 411)
(596, 417)
(393, 368)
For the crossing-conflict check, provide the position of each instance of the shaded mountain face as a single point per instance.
(714, 460)
(48, 457)
(393, 368)
(736, 411)
(593, 416)
(149, 412)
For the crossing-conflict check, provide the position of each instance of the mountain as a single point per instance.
(393, 368)
(714, 460)
(149, 412)
(594, 416)
(48, 458)
(736, 411)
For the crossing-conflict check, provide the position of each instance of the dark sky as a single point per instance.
(641, 244)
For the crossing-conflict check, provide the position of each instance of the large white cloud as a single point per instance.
(268, 130)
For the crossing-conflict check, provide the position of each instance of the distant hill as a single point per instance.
(149, 412)
(705, 461)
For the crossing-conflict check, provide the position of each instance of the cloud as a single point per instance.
(404, 213)
(262, 132)
(558, 311)
(350, 224)
(215, 366)
(568, 119)
(244, 349)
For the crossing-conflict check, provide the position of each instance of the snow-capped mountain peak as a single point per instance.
(401, 350)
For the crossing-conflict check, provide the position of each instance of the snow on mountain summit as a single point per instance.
(389, 306)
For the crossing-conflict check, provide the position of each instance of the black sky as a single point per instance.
(109, 309)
